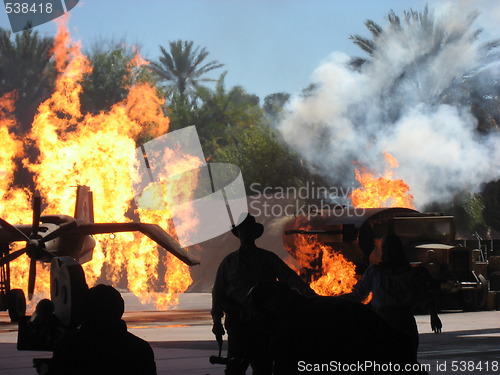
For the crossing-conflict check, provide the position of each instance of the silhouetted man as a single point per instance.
(397, 288)
(237, 274)
(102, 345)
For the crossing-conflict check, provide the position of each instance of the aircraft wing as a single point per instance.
(153, 231)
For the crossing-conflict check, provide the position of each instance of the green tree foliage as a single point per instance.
(225, 113)
(491, 197)
(217, 113)
(113, 73)
(263, 159)
(233, 128)
(183, 66)
(27, 68)
(469, 212)
(183, 111)
(274, 105)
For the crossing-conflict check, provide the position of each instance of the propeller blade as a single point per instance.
(46, 254)
(37, 209)
(63, 229)
(31, 278)
(10, 257)
(13, 230)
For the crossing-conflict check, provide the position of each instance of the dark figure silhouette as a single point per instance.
(398, 288)
(102, 345)
(328, 334)
(237, 274)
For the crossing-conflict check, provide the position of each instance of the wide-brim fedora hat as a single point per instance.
(249, 224)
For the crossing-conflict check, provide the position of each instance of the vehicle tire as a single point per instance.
(470, 299)
(16, 304)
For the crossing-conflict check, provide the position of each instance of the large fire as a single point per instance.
(337, 274)
(382, 191)
(97, 151)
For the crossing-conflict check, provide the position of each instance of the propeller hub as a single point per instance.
(34, 247)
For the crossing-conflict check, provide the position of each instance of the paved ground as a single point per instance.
(182, 340)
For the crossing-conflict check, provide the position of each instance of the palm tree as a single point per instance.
(223, 112)
(366, 44)
(419, 26)
(475, 88)
(26, 67)
(183, 66)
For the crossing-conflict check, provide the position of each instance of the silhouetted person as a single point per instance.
(237, 274)
(326, 330)
(398, 288)
(102, 345)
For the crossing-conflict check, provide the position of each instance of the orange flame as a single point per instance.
(11, 147)
(137, 60)
(337, 275)
(12, 198)
(94, 150)
(382, 191)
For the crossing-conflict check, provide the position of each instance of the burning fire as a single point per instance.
(12, 198)
(338, 275)
(382, 191)
(94, 150)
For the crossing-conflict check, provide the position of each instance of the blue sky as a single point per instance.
(267, 46)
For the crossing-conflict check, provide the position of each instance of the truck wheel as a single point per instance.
(16, 304)
(470, 300)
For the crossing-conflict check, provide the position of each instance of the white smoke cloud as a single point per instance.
(410, 102)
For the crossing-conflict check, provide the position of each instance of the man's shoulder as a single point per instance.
(136, 341)
(259, 252)
(229, 258)
(231, 255)
(267, 253)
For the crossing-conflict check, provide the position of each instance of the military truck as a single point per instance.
(429, 241)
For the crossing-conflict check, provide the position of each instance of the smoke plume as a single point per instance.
(414, 97)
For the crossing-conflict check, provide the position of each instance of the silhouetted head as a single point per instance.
(248, 230)
(393, 254)
(104, 305)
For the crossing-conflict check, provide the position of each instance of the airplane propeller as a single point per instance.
(35, 245)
